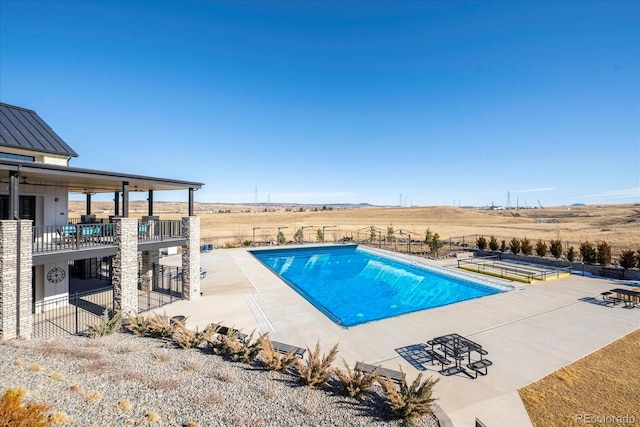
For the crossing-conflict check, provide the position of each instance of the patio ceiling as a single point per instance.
(78, 180)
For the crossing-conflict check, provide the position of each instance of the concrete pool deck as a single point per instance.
(529, 332)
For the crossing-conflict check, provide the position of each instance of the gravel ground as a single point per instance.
(126, 380)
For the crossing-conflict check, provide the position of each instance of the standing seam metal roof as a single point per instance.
(22, 128)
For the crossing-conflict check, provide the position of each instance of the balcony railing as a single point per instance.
(82, 236)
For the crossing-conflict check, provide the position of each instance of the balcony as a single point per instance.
(77, 241)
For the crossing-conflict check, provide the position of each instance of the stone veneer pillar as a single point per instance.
(16, 319)
(148, 260)
(125, 266)
(191, 258)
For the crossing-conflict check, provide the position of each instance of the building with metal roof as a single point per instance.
(42, 247)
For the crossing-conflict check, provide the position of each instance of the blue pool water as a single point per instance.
(353, 286)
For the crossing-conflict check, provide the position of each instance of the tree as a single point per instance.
(281, 239)
(390, 236)
(628, 259)
(571, 254)
(604, 253)
(503, 246)
(515, 245)
(435, 243)
(320, 235)
(482, 243)
(526, 247)
(588, 252)
(428, 235)
(298, 237)
(324, 207)
(372, 233)
(541, 248)
(493, 243)
(556, 248)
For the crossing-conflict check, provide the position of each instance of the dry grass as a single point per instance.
(617, 224)
(604, 383)
(316, 370)
(272, 359)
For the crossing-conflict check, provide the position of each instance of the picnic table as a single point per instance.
(459, 348)
(629, 297)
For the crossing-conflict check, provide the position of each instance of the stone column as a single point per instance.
(16, 320)
(191, 258)
(149, 258)
(125, 266)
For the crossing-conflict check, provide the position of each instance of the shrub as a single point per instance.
(239, 348)
(541, 248)
(390, 234)
(411, 402)
(515, 245)
(298, 236)
(272, 359)
(556, 248)
(281, 239)
(604, 253)
(187, 338)
(107, 325)
(372, 234)
(428, 236)
(526, 247)
(503, 246)
(14, 413)
(138, 324)
(316, 371)
(435, 243)
(588, 252)
(571, 254)
(482, 243)
(628, 259)
(355, 383)
(320, 235)
(160, 326)
(493, 243)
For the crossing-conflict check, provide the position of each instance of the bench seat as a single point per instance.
(286, 348)
(479, 365)
(395, 376)
(438, 357)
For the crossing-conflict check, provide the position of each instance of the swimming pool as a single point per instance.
(353, 285)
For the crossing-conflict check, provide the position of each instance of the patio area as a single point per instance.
(529, 332)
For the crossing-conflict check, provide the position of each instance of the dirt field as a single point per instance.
(603, 384)
(619, 225)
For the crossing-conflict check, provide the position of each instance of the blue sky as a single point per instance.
(412, 103)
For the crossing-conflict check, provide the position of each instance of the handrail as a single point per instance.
(57, 238)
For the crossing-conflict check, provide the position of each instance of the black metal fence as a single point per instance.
(71, 314)
(162, 287)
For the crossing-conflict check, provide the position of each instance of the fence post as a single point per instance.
(77, 313)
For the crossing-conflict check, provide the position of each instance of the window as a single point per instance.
(18, 157)
(27, 207)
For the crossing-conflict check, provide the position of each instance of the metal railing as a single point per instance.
(159, 230)
(72, 314)
(493, 266)
(163, 287)
(55, 238)
(52, 238)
